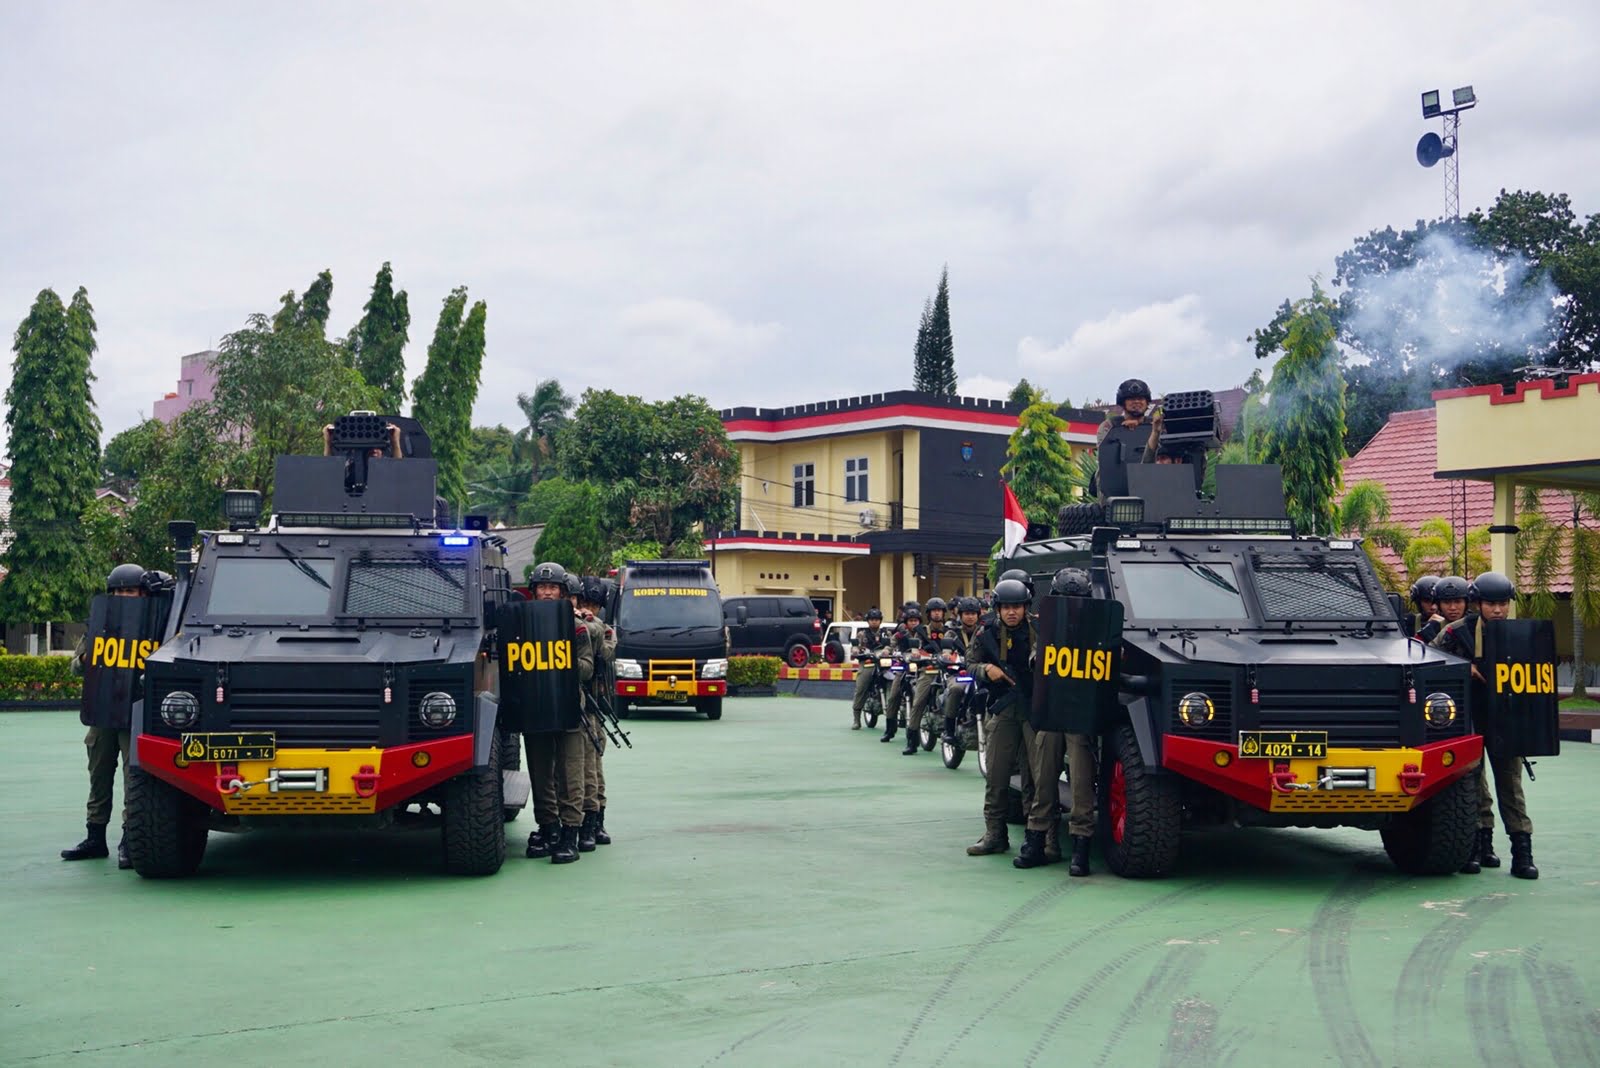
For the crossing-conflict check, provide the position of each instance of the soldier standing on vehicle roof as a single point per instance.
(1426, 622)
(1464, 638)
(869, 642)
(907, 643)
(105, 742)
(933, 632)
(591, 601)
(958, 640)
(555, 758)
(1001, 655)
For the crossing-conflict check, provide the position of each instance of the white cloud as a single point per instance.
(985, 386)
(1167, 343)
(669, 337)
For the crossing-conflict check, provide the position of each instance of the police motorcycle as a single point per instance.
(963, 734)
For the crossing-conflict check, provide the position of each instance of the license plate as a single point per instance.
(230, 748)
(1284, 745)
(674, 695)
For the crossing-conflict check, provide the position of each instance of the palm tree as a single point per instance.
(546, 410)
(1545, 548)
(1436, 550)
(1364, 512)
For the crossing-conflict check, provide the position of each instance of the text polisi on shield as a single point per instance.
(538, 668)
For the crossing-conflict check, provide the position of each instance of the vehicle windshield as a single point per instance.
(650, 607)
(1313, 588)
(254, 587)
(414, 584)
(1183, 591)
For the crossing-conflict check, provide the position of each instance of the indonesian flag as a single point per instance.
(1016, 522)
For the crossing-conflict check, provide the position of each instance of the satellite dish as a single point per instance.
(1431, 149)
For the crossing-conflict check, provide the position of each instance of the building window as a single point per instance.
(805, 485)
(855, 480)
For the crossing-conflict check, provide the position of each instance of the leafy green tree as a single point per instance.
(1304, 432)
(53, 447)
(572, 534)
(376, 345)
(1025, 393)
(183, 469)
(1363, 512)
(1548, 548)
(1436, 549)
(314, 305)
(496, 481)
(547, 495)
(443, 395)
(1039, 463)
(548, 408)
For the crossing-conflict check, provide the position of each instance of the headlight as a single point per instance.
(714, 669)
(1196, 710)
(438, 709)
(180, 710)
(1439, 709)
(629, 669)
(885, 661)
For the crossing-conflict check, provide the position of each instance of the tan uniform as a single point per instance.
(604, 641)
(555, 758)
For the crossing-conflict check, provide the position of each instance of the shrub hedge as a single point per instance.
(753, 670)
(38, 678)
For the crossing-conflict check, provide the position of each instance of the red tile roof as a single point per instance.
(1403, 456)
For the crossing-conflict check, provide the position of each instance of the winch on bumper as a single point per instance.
(308, 781)
(1341, 780)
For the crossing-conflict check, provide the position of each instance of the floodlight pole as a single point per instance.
(1452, 167)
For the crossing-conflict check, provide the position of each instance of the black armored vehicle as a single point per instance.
(329, 663)
(1264, 677)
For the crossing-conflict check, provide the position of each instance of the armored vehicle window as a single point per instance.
(258, 587)
(412, 585)
(1183, 591)
(643, 607)
(1313, 587)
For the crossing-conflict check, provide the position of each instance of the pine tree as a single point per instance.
(442, 396)
(377, 343)
(1039, 463)
(54, 451)
(923, 373)
(941, 342)
(1305, 425)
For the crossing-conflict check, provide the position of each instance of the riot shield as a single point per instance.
(122, 632)
(1522, 717)
(1077, 665)
(538, 667)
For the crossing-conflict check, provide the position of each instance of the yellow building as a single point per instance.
(870, 501)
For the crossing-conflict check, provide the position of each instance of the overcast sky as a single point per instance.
(751, 201)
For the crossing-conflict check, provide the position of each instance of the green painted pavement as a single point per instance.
(786, 891)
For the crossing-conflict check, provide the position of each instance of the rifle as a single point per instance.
(607, 718)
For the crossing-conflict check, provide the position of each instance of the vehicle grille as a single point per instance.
(457, 687)
(332, 718)
(1364, 720)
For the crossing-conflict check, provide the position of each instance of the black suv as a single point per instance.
(772, 626)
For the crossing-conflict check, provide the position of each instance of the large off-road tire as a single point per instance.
(166, 828)
(1140, 813)
(472, 830)
(1080, 518)
(1436, 837)
(711, 706)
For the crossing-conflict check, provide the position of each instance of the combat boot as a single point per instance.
(1032, 853)
(855, 719)
(994, 840)
(1080, 855)
(1486, 855)
(1052, 842)
(891, 724)
(543, 840)
(91, 848)
(600, 835)
(913, 742)
(586, 839)
(124, 862)
(949, 736)
(566, 847)
(1522, 856)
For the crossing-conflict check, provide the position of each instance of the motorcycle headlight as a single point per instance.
(714, 669)
(1439, 709)
(438, 709)
(180, 710)
(1196, 710)
(629, 669)
(885, 661)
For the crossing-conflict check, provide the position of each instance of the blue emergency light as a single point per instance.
(455, 539)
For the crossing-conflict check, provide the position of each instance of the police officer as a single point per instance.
(105, 743)
(933, 631)
(1450, 597)
(1463, 637)
(1129, 426)
(555, 758)
(1425, 622)
(907, 642)
(1001, 655)
(595, 735)
(868, 644)
(957, 640)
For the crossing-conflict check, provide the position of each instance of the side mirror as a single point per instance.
(741, 614)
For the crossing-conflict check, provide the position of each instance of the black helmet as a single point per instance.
(968, 604)
(125, 577)
(1423, 589)
(935, 604)
(874, 613)
(1451, 588)
(594, 590)
(1133, 387)
(1019, 575)
(1493, 587)
(158, 581)
(911, 611)
(548, 571)
(574, 585)
(1011, 591)
(1071, 582)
